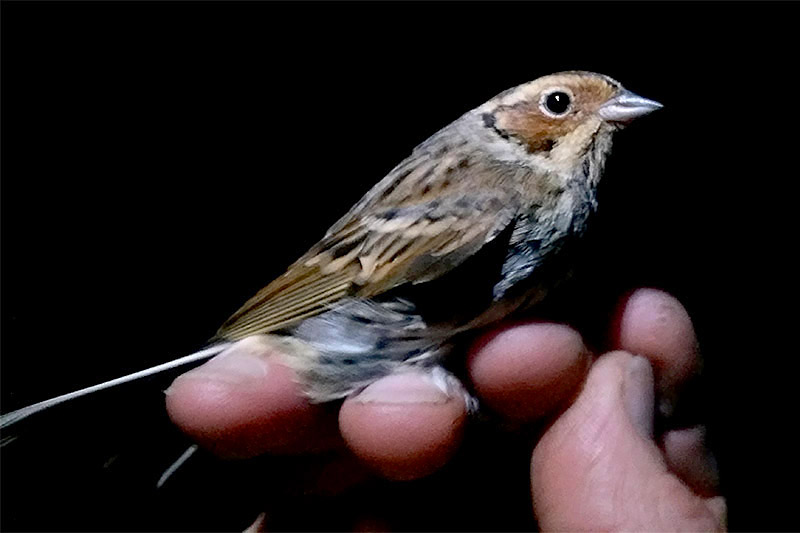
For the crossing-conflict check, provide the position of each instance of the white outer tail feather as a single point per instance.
(15, 416)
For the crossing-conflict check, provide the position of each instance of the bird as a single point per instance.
(480, 222)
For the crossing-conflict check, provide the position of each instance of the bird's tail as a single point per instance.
(15, 416)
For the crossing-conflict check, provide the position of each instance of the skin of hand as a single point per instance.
(598, 464)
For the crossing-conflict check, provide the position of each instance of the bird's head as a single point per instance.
(556, 118)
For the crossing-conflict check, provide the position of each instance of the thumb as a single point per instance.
(598, 468)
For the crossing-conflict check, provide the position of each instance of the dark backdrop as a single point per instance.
(161, 162)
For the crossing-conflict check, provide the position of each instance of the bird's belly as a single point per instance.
(359, 341)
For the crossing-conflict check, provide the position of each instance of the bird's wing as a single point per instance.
(375, 252)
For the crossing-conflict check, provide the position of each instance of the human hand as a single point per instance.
(597, 465)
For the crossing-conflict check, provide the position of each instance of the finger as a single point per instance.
(245, 402)
(407, 425)
(654, 324)
(688, 457)
(523, 371)
(597, 467)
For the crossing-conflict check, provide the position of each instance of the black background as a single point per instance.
(161, 162)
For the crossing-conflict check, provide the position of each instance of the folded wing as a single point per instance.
(375, 252)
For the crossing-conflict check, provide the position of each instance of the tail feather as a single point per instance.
(15, 416)
(185, 456)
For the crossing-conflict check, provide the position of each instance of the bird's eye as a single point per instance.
(556, 103)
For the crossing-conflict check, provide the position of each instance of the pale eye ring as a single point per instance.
(556, 103)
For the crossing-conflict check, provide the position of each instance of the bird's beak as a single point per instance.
(626, 106)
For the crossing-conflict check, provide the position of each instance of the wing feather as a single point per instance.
(374, 253)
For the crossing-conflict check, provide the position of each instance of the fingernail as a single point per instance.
(234, 367)
(639, 395)
(408, 387)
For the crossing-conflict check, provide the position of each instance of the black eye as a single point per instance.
(557, 102)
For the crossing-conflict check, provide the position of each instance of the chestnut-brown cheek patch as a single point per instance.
(537, 131)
